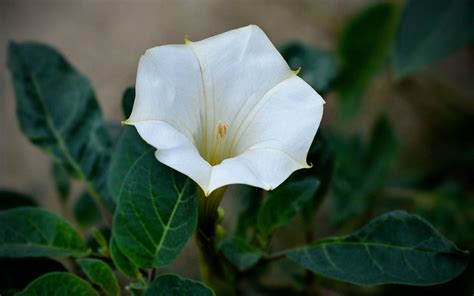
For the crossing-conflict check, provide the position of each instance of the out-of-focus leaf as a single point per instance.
(100, 274)
(128, 98)
(319, 68)
(62, 181)
(58, 112)
(170, 284)
(240, 252)
(364, 46)
(59, 284)
(85, 210)
(122, 262)
(429, 30)
(249, 201)
(283, 203)
(360, 171)
(35, 232)
(11, 200)
(157, 207)
(394, 248)
(17, 273)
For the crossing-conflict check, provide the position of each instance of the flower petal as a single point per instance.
(274, 139)
(169, 89)
(239, 67)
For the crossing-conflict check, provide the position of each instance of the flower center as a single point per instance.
(217, 152)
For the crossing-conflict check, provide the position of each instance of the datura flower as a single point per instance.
(226, 110)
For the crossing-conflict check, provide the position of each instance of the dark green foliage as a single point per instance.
(128, 98)
(157, 209)
(58, 112)
(360, 171)
(122, 262)
(100, 274)
(394, 248)
(319, 68)
(34, 232)
(58, 284)
(172, 285)
(364, 46)
(429, 30)
(85, 210)
(240, 252)
(62, 181)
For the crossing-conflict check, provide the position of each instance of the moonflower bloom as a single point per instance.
(226, 110)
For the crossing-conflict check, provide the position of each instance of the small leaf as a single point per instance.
(58, 112)
(364, 46)
(360, 171)
(394, 248)
(319, 68)
(240, 252)
(431, 30)
(62, 181)
(128, 98)
(157, 210)
(59, 284)
(100, 274)
(11, 200)
(170, 284)
(121, 262)
(85, 210)
(283, 203)
(35, 232)
(249, 201)
(22, 271)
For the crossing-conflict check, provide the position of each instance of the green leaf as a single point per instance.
(173, 285)
(58, 112)
(364, 46)
(35, 232)
(157, 210)
(128, 98)
(319, 68)
(394, 248)
(122, 262)
(100, 274)
(283, 203)
(62, 181)
(360, 171)
(11, 200)
(431, 30)
(85, 210)
(240, 252)
(249, 201)
(59, 284)
(22, 271)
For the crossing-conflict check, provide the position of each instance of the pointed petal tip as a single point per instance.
(186, 39)
(297, 71)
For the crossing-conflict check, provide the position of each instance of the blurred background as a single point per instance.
(430, 112)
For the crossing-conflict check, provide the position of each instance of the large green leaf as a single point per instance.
(240, 252)
(429, 30)
(319, 68)
(121, 262)
(360, 171)
(85, 210)
(58, 112)
(35, 232)
(10, 200)
(157, 210)
(394, 248)
(100, 274)
(283, 203)
(58, 284)
(364, 46)
(173, 285)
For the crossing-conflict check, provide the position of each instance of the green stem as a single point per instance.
(213, 271)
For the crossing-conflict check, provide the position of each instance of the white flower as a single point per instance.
(226, 110)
